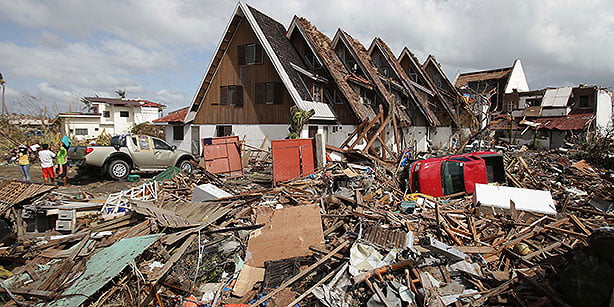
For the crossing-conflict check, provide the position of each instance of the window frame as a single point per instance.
(250, 54)
(269, 93)
(588, 102)
(231, 95)
(121, 114)
(106, 114)
(180, 136)
(78, 130)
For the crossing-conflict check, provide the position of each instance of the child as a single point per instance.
(62, 163)
(46, 156)
(23, 160)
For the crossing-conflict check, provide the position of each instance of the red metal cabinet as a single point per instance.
(222, 155)
(292, 158)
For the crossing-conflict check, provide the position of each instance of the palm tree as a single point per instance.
(121, 93)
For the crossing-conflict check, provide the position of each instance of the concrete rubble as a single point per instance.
(344, 235)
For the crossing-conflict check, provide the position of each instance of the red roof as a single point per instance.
(569, 122)
(175, 116)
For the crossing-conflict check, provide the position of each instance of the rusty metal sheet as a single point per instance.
(222, 155)
(292, 158)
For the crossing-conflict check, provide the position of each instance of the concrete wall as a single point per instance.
(92, 124)
(517, 80)
(603, 119)
(145, 114)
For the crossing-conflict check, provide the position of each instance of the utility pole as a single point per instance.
(2, 83)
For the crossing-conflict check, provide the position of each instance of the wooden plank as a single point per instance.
(576, 221)
(174, 258)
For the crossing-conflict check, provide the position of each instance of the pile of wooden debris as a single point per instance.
(345, 235)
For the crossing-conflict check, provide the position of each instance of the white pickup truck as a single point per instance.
(130, 152)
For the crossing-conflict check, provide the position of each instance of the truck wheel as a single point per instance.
(118, 169)
(186, 166)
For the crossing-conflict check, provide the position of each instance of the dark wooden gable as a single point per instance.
(237, 87)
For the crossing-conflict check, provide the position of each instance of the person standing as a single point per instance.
(46, 157)
(61, 159)
(23, 160)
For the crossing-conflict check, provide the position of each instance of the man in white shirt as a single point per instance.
(46, 156)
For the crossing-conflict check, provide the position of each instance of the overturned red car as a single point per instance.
(456, 174)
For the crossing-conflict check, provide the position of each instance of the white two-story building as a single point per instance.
(113, 115)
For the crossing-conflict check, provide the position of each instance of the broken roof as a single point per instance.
(321, 46)
(125, 102)
(483, 75)
(569, 122)
(173, 117)
(364, 60)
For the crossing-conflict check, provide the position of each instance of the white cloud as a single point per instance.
(154, 48)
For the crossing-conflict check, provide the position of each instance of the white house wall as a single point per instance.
(92, 124)
(603, 118)
(145, 114)
(518, 79)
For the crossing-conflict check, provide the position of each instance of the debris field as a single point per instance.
(347, 234)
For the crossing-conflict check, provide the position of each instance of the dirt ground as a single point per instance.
(96, 185)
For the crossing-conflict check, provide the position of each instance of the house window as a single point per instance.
(312, 131)
(337, 99)
(124, 114)
(95, 129)
(225, 130)
(106, 114)
(510, 106)
(249, 54)
(269, 93)
(317, 93)
(231, 95)
(178, 133)
(80, 131)
(583, 101)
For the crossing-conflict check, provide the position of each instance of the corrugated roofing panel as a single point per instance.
(556, 97)
(323, 110)
(103, 267)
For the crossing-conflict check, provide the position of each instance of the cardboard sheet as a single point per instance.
(287, 233)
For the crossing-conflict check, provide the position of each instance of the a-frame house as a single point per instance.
(448, 92)
(253, 80)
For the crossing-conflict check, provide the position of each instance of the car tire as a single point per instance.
(186, 166)
(118, 169)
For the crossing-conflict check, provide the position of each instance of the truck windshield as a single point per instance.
(452, 177)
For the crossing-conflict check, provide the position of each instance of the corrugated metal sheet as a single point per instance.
(322, 110)
(103, 266)
(569, 122)
(556, 97)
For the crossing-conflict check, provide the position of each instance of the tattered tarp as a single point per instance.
(104, 266)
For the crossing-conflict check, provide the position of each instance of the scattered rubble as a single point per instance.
(344, 235)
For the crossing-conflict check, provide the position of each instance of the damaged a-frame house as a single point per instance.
(253, 80)
(260, 71)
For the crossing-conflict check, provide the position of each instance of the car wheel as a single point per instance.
(186, 166)
(118, 169)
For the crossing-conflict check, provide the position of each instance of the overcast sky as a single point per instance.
(59, 51)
